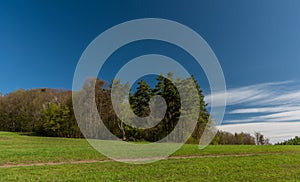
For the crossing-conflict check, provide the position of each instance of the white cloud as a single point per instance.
(289, 97)
(289, 115)
(248, 94)
(275, 131)
(264, 109)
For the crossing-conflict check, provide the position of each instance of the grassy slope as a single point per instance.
(24, 149)
(28, 149)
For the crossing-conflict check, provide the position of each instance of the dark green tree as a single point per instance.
(292, 141)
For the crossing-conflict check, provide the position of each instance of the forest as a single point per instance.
(49, 112)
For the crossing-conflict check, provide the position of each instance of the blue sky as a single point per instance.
(257, 44)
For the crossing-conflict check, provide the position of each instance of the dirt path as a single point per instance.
(138, 159)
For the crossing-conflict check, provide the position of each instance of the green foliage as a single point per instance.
(140, 99)
(292, 141)
(21, 110)
(57, 121)
(226, 138)
(50, 112)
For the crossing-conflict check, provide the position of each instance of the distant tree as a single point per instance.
(120, 98)
(226, 138)
(292, 141)
(50, 112)
(126, 117)
(168, 91)
(141, 98)
(203, 114)
(21, 111)
(55, 119)
(260, 139)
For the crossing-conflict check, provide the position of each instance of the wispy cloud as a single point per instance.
(288, 97)
(248, 94)
(277, 117)
(265, 109)
(275, 103)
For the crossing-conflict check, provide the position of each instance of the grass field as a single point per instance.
(214, 163)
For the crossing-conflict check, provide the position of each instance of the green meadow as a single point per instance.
(30, 158)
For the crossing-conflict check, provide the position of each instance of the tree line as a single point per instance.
(49, 112)
(292, 141)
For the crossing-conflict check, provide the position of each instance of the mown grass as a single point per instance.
(272, 163)
(253, 168)
(16, 149)
(189, 149)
